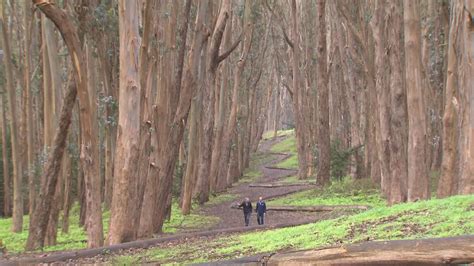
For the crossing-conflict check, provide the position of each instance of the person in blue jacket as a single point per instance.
(247, 208)
(261, 209)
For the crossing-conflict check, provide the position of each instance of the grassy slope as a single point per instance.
(345, 192)
(287, 146)
(433, 218)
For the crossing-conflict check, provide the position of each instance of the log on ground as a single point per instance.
(275, 185)
(436, 251)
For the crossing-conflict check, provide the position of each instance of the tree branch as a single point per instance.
(288, 88)
(282, 27)
(230, 50)
(341, 11)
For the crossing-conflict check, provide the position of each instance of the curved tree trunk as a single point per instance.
(89, 148)
(41, 214)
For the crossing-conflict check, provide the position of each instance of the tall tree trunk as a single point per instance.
(232, 122)
(88, 146)
(7, 203)
(383, 97)
(398, 108)
(323, 99)
(217, 145)
(17, 167)
(468, 180)
(124, 199)
(205, 156)
(29, 109)
(418, 178)
(48, 88)
(173, 107)
(67, 198)
(147, 74)
(190, 176)
(277, 97)
(448, 165)
(301, 126)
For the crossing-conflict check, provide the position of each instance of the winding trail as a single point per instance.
(233, 218)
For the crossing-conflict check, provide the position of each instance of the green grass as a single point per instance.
(258, 159)
(77, 238)
(253, 172)
(344, 192)
(433, 218)
(269, 134)
(250, 175)
(126, 260)
(220, 198)
(286, 145)
(289, 163)
(291, 179)
(179, 222)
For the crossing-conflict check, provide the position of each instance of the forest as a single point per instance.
(127, 121)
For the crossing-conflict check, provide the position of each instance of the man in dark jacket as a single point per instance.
(261, 209)
(247, 207)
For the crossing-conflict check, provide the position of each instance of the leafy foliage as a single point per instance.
(340, 159)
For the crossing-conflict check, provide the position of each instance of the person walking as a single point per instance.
(247, 208)
(260, 209)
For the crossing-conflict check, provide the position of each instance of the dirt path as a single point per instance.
(231, 218)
